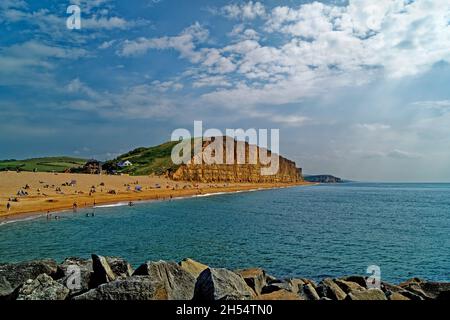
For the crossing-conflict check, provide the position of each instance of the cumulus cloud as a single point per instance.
(245, 11)
(144, 101)
(184, 43)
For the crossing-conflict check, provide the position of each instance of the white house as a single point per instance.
(123, 164)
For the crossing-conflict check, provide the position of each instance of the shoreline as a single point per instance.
(64, 203)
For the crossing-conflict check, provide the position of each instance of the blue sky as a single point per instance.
(359, 89)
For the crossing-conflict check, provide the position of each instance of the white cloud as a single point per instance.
(246, 11)
(184, 43)
(373, 126)
(134, 102)
(332, 46)
(399, 154)
(433, 104)
(107, 44)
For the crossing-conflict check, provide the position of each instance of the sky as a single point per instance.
(359, 89)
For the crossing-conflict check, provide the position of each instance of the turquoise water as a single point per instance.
(314, 232)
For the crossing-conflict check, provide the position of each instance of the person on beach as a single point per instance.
(75, 206)
(8, 206)
(48, 215)
(130, 204)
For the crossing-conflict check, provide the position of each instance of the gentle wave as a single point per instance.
(113, 205)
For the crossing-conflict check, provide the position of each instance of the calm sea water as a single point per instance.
(314, 232)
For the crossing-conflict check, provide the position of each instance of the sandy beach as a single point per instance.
(43, 192)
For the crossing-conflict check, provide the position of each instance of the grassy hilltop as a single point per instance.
(154, 160)
(46, 164)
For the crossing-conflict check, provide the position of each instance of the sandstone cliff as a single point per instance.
(244, 171)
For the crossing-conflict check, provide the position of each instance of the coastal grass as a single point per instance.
(145, 161)
(45, 164)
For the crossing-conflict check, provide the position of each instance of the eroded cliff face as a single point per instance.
(249, 170)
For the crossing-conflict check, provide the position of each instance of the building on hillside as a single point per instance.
(123, 164)
(93, 167)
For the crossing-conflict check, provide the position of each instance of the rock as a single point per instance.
(357, 279)
(279, 295)
(308, 292)
(133, 288)
(348, 286)
(255, 278)
(296, 284)
(426, 290)
(120, 267)
(329, 289)
(102, 272)
(369, 294)
(397, 291)
(275, 286)
(397, 296)
(12, 276)
(192, 266)
(221, 284)
(270, 278)
(179, 284)
(70, 269)
(43, 288)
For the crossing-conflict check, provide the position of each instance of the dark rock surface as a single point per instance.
(178, 283)
(221, 284)
(42, 288)
(12, 276)
(255, 278)
(133, 288)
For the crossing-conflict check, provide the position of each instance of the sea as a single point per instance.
(307, 231)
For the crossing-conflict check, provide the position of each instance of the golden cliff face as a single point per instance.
(248, 171)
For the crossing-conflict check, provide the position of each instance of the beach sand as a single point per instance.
(44, 194)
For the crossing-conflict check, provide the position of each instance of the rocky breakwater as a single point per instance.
(109, 278)
(247, 169)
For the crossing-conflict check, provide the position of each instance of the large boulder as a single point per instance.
(427, 290)
(133, 288)
(279, 295)
(178, 283)
(102, 272)
(369, 294)
(356, 279)
(192, 266)
(42, 288)
(327, 288)
(255, 278)
(276, 285)
(348, 286)
(75, 274)
(120, 267)
(394, 292)
(396, 296)
(12, 276)
(221, 284)
(308, 292)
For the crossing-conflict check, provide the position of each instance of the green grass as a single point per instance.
(48, 164)
(154, 160)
